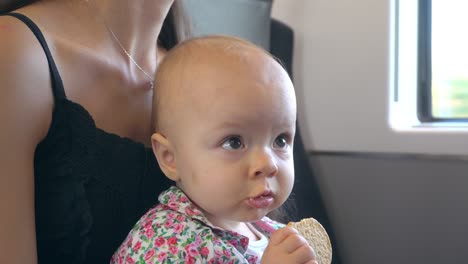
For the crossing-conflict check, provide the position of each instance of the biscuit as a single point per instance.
(317, 238)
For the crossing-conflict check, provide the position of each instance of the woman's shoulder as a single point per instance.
(24, 78)
(23, 59)
(18, 40)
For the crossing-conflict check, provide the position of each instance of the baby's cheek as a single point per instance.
(286, 187)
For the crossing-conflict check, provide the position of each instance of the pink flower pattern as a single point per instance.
(176, 231)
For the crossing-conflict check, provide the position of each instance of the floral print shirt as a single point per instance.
(176, 231)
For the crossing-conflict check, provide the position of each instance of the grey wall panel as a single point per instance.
(392, 210)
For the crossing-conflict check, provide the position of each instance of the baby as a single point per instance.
(224, 120)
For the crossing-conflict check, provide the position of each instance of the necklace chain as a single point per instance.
(128, 54)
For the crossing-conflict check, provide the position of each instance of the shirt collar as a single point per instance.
(175, 199)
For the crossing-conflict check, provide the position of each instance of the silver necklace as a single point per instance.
(128, 54)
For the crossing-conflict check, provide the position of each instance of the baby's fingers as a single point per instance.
(305, 254)
(289, 241)
(293, 242)
(282, 234)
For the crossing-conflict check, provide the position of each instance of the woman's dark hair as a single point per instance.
(10, 5)
(176, 26)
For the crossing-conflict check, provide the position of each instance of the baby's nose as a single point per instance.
(264, 163)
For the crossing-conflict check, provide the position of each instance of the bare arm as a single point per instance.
(25, 114)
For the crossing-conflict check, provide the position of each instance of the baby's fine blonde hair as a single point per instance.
(170, 76)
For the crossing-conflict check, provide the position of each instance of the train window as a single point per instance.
(428, 76)
(442, 61)
(429, 65)
(356, 70)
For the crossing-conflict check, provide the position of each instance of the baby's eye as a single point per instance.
(281, 141)
(232, 143)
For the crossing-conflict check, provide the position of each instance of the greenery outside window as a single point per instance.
(442, 61)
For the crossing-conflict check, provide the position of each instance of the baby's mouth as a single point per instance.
(261, 201)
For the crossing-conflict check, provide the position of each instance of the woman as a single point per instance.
(75, 172)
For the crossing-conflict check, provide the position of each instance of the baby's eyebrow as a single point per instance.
(228, 125)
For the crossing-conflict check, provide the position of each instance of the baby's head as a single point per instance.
(225, 119)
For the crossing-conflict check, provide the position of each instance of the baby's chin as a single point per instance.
(258, 215)
(245, 215)
(254, 218)
(249, 217)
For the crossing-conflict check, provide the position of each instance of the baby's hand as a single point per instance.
(288, 246)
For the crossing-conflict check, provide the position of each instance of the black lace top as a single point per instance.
(90, 186)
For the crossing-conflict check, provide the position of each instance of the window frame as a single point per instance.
(424, 71)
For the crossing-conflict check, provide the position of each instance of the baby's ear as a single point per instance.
(164, 153)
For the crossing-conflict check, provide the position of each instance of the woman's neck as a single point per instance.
(135, 23)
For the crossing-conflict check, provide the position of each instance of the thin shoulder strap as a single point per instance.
(57, 85)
